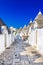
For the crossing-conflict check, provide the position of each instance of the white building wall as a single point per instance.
(40, 40)
(36, 39)
(8, 41)
(32, 38)
(2, 45)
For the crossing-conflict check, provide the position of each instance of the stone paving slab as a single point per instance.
(20, 53)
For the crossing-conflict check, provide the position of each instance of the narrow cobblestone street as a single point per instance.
(21, 53)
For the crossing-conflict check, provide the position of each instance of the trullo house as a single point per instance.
(36, 33)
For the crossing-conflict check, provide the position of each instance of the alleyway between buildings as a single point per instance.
(21, 53)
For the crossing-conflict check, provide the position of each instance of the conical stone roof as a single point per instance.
(39, 16)
(39, 20)
(24, 28)
(30, 21)
(2, 23)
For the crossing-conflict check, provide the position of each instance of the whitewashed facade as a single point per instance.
(36, 34)
(5, 42)
(5, 39)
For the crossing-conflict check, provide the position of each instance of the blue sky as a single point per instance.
(17, 13)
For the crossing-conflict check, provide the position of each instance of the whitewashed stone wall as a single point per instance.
(40, 40)
(5, 40)
(8, 40)
(32, 38)
(2, 45)
(36, 39)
